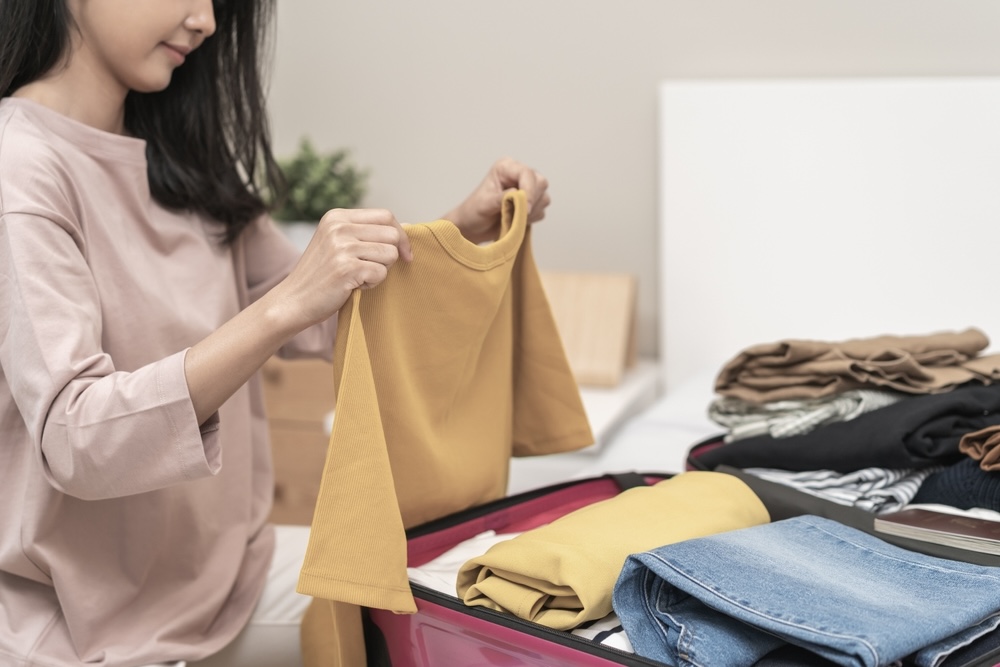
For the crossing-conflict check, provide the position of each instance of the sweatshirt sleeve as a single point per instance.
(270, 257)
(99, 431)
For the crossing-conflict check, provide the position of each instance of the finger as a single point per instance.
(512, 173)
(538, 197)
(366, 216)
(386, 220)
(385, 254)
(387, 233)
(538, 211)
(405, 250)
(377, 225)
(371, 274)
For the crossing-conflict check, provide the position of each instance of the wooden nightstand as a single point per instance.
(298, 395)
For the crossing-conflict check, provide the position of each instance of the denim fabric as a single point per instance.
(730, 599)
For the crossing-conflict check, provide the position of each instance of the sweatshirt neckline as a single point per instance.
(86, 137)
(514, 223)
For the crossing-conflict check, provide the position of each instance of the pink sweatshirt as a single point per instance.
(128, 535)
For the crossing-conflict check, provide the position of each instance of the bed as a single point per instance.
(820, 208)
(823, 209)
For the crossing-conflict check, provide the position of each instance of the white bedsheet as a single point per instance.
(657, 439)
(654, 440)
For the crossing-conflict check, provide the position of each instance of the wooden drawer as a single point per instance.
(299, 454)
(298, 395)
(299, 390)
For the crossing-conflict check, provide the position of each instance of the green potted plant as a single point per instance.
(316, 182)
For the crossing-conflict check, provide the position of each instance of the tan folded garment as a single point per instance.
(981, 446)
(804, 369)
(986, 369)
(562, 574)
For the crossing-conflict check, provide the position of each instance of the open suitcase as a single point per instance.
(784, 502)
(446, 633)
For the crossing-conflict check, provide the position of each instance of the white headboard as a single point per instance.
(825, 209)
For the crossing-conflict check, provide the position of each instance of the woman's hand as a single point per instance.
(478, 217)
(351, 248)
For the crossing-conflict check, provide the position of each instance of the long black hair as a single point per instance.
(208, 142)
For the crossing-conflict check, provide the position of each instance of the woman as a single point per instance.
(142, 286)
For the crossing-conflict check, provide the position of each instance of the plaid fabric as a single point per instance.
(872, 489)
(781, 419)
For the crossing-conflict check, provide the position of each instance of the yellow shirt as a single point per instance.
(444, 371)
(563, 574)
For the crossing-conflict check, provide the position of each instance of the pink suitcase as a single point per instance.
(446, 633)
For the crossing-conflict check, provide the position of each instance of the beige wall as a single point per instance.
(428, 93)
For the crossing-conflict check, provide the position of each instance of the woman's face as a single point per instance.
(137, 44)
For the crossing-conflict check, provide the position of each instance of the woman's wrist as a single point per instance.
(456, 216)
(467, 224)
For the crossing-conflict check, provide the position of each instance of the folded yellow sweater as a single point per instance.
(563, 574)
(444, 371)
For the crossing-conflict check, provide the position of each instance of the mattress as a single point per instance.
(658, 438)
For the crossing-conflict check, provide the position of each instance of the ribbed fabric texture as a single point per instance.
(963, 485)
(444, 371)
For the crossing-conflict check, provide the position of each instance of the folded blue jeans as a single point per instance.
(729, 599)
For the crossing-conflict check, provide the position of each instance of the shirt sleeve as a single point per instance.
(270, 257)
(99, 432)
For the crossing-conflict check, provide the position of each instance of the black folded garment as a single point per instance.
(913, 433)
(963, 485)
